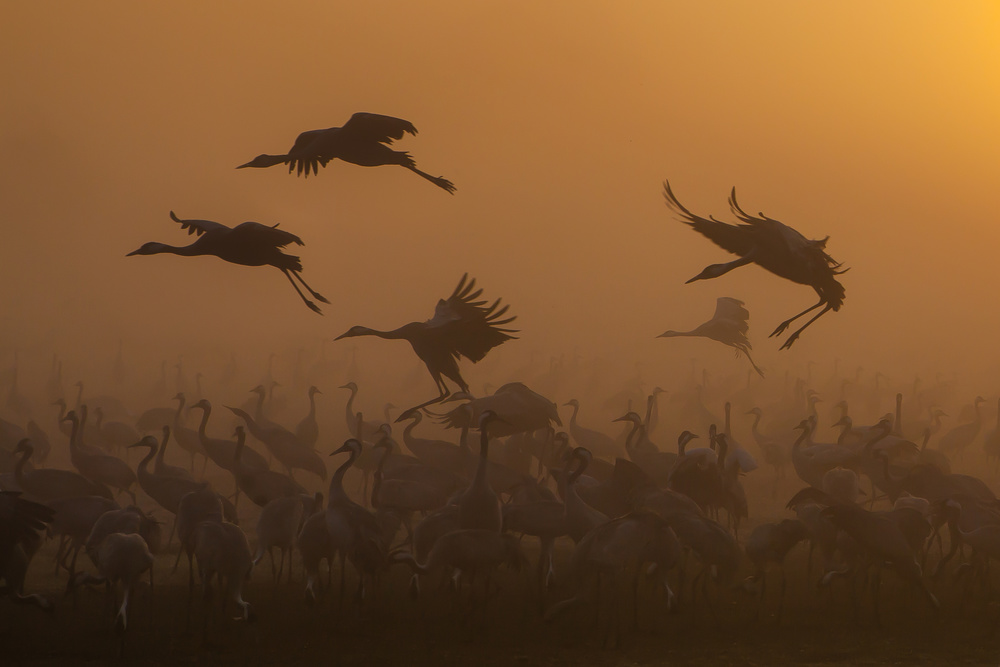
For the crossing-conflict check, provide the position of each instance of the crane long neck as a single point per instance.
(206, 412)
(632, 438)
(259, 409)
(74, 433)
(728, 430)
(408, 436)
(351, 423)
(144, 463)
(336, 491)
(180, 407)
(185, 251)
(241, 441)
(161, 450)
(845, 428)
(797, 446)
(312, 405)
(572, 417)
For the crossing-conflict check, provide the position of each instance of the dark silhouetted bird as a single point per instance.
(729, 326)
(363, 140)
(248, 244)
(461, 327)
(771, 245)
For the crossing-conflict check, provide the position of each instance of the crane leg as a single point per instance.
(439, 181)
(316, 295)
(312, 306)
(791, 339)
(784, 325)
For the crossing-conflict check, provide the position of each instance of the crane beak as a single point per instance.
(343, 335)
(134, 252)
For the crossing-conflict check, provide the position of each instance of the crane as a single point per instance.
(247, 244)
(364, 140)
(729, 326)
(460, 327)
(773, 246)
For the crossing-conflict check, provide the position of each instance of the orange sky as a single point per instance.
(873, 123)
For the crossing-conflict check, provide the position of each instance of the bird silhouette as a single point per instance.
(363, 140)
(247, 244)
(729, 326)
(774, 246)
(460, 327)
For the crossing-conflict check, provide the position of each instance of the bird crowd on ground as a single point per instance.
(607, 518)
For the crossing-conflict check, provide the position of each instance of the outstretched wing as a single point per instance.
(375, 127)
(730, 309)
(198, 227)
(258, 233)
(303, 156)
(737, 239)
(469, 328)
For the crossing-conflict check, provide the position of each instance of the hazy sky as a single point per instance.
(873, 123)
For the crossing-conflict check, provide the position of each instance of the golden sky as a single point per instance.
(873, 123)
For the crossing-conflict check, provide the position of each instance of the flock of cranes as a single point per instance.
(604, 518)
(587, 521)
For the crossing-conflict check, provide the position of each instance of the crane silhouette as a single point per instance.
(729, 326)
(247, 244)
(774, 246)
(460, 327)
(363, 140)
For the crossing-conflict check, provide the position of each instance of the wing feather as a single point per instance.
(469, 328)
(256, 232)
(376, 127)
(198, 227)
(737, 239)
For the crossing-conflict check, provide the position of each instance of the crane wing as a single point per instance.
(198, 227)
(737, 239)
(304, 155)
(728, 308)
(469, 328)
(375, 127)
(254, 232)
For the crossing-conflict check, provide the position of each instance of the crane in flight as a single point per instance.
(729, 326)
(461, 327)
(771, 245)
(363, 140)
(248, 244)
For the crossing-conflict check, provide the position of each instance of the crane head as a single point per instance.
(151, 248)
(263, 160)
(354, 331)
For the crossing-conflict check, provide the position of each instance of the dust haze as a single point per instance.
(874, 125)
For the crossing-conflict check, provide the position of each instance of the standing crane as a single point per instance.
(364, 140)
(773, 246)
(460, 327)
(247, 244)
(729, 326)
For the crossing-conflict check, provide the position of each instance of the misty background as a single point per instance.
(874, 124)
